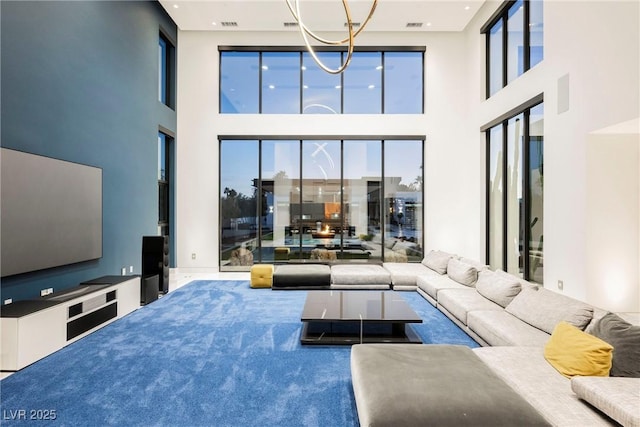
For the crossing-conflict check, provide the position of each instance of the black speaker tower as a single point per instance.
(155, 260)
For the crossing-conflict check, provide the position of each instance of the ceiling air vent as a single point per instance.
(414, 24)
(290, 24)
(229, 24)
(355, 24)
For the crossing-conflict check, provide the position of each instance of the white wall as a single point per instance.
(597, 44)
(449, 197)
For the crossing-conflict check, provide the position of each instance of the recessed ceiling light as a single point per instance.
(303, 68)
(214, 24)
(175, 6)
(272, 87)
(305, 87)
(265, 67)
(338, 87)
(379, 67)
(467, 7)
(371, 86)
(428, 24)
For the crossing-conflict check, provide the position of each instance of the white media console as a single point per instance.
(34, 329)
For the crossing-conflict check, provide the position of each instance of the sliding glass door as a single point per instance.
(291, 200)
(515, 161)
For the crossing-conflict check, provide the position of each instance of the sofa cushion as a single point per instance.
(501, 328)
(359, 274)
(437, 261)
(459, 302)
(544, 309)
(498, 289)
(301, 276)
(532, 377)
(438, 385)
(461, 272)
(406, 274)
(433, 282)
(625, 339)
(616, 397)
(574, 352)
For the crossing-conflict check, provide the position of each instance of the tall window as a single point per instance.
(514, 42)
(166, 71)
(165, 150)
(514, 183)
(286, 200)
(280, 81)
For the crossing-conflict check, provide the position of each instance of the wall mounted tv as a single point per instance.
(51, 212)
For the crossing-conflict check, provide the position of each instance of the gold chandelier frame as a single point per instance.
(350, 39)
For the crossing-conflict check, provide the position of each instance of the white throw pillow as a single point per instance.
(437, 261)
(461, 272)
(499, 289)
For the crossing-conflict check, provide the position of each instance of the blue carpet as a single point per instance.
(212, 353)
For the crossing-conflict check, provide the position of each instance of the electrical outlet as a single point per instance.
(8, 301)
(193, 255)
(560, 284)
(124, 271)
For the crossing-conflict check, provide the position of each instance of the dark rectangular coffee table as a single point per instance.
(352, 317)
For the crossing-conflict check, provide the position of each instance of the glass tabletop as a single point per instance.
(379, 306)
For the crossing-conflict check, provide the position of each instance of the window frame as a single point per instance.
(503, 120)
(169, 70)
(300, 139)
(501, 15)
(301, 50)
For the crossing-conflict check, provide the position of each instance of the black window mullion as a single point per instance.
(487, 169)
(342, 85)
(382, 83)
(383, 205)
(487, 65)
(526, 194)
(424, 86)
(259, 206)
(505, 228)
(300, 199)
(342, 213)
(505, 47)
(526, 36)
(260, 83)
(301, 83)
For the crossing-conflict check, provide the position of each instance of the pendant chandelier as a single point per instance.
(294, 7)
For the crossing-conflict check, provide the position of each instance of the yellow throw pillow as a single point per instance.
(574, 352)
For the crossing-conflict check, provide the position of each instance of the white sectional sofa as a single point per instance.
(514, 320)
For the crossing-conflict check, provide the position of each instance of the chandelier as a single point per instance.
(306, 33)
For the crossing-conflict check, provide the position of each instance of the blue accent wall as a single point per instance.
(79, 82)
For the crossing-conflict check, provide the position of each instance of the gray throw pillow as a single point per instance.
(544, 309)
(625, 339)
(437, 261)
(461, 272)
(499, 289)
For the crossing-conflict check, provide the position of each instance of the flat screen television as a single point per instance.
(50, 212)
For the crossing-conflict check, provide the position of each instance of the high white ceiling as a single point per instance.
(320, 15)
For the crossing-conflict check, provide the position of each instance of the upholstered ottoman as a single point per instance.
(359, 276)
(302, 276)
(433, 385)
(261, 275)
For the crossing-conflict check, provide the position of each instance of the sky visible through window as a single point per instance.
(292, 83)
